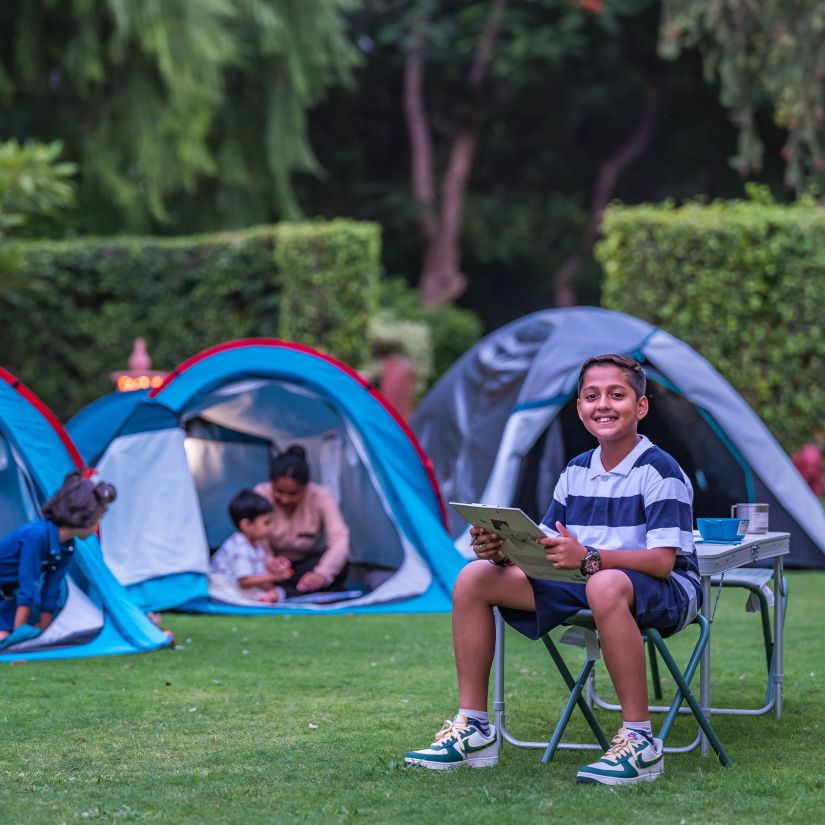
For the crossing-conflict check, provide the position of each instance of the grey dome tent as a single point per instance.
(501, 423)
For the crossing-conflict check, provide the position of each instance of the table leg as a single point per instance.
(779, 596)
(498, 679)
(704, 665)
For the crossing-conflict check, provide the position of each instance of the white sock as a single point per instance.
(480, 716)
(644, 728)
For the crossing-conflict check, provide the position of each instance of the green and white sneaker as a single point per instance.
(631, 758)
(459, 742)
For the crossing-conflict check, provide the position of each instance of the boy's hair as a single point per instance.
(290, 464)
(248, 505)
(635, 374)
(79, 502)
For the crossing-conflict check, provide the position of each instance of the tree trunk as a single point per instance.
(442, 278)
(603, 189)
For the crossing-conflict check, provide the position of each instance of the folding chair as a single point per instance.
(584, 620)
(753, 580)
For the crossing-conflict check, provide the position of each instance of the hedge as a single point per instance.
(69, 314)
(744, 284)
(330, 287)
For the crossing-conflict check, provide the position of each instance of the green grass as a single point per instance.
(218, 731)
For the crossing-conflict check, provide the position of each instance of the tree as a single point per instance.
(762, 52)
(160, 97)
(504, 36)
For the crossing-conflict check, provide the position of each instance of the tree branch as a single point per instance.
(605, 185)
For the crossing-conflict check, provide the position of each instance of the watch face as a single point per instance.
(592, 563)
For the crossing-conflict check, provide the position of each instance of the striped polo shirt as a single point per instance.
(645, 501)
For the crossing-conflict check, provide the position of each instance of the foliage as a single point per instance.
(770, 51)
(389, 336)
(744, 284)
(453, 330)
(84, 302)
(33, 182)
(171, 104)
(306, 719)
(564, 94)
(330, 286)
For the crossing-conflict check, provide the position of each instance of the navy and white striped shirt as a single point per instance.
(645, 501)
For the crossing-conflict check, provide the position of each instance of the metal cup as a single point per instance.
(756, 514)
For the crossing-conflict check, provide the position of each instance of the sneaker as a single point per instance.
(460, 742)
(632, 757)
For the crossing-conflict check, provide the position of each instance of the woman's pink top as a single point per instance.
(295, 534)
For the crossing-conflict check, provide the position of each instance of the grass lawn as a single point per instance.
(307, 719)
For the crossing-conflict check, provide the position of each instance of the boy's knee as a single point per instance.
(608, 590)
(474, 580)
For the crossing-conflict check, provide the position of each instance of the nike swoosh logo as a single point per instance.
(643, 763)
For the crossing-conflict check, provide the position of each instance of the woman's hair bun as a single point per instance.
(297, 449)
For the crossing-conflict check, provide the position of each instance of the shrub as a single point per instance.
(743, 283)
(330, 284)
(453, 330)
(69, 313)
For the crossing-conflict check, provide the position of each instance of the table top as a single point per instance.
(717, 557)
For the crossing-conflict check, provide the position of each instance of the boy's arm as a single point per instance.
(566, 552)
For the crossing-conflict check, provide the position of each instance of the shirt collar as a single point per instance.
(624, 466)
(55, 547)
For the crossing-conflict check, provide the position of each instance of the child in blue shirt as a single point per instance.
(622, 515)
(35, 558)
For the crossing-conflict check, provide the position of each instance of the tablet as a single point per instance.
(519, 532)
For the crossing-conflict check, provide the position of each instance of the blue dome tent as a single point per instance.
(501, 424)
(97, 617)
(179, 453)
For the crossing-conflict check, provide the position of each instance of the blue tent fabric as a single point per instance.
(34, 440)
(318, 387)
(500, 425)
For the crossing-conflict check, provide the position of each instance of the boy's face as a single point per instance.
(607, 404)
(258, 528)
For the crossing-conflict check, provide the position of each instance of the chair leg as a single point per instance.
(684, 693)
(654, 671)
(575, 687)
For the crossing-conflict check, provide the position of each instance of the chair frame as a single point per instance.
(577, 686)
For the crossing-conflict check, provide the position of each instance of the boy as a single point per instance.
(622, 515)
(243, 560)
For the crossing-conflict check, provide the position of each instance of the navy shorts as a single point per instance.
(659, 603)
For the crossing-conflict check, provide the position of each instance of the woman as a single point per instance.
(304, 512)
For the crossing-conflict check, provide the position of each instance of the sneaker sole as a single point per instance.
(617, 780)
(478, 762)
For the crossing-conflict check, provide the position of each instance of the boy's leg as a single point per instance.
(634, 756)
(611, 597)
(481, 586)
(467, 740)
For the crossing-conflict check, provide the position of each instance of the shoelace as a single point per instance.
(449, 729)
(621, 744)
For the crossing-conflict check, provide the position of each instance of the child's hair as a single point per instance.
(79, 502)
(290, 464)
(248, 505)
(635, 374)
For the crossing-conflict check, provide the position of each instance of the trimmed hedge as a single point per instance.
(744, 284)
(69, 314)
(330, 286)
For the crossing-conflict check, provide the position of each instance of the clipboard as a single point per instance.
(519, 532)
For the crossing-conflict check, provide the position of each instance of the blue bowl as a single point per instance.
(722, 529)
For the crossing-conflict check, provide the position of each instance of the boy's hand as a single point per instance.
(564, 550)
(486, 545)
(280, 568)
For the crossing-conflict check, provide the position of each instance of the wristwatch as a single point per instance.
(591, 563)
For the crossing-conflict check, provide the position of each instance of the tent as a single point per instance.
(501, 423)
(180, 453)
(97, 617)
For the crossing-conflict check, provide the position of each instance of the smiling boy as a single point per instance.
(622, 514)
